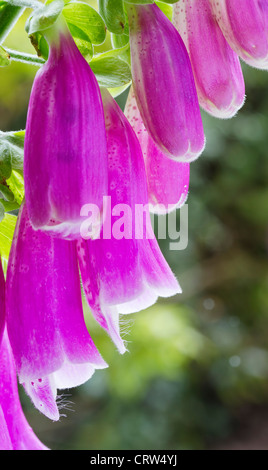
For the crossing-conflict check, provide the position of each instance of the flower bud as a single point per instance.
(244, 25)
(164, 84)
(167, 180)
(216, 67)
(65, 163)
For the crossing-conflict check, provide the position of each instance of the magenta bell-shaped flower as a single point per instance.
(15, 432)
(65, 163)
(2, 300)
(216, 67)
(164, 84)
(167, 180)
(90, 254)
(49, 338)
(244, 24)
(123, 271)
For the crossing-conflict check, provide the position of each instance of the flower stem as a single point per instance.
(24, 57)
(9, 15)
(33, 4)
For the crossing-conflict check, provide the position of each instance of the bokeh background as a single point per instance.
(196, 372)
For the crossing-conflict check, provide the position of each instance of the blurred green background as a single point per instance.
(196, 372)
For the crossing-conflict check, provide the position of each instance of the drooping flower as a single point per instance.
(15, 431)
(123, 271)
(167, 180)
(216, 67)
(164, 84)
(2, 301)
(65, 163)
(244, 24)
(50, 341)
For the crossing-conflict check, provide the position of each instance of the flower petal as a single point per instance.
(21, 434)
(43, 394)
(164, 84)
(65, 164)
(44, 311)
(106, 316)
(124, 273)
(216, 67)
(5, 441)
(244, 25)
(2, 301)
(167, 180)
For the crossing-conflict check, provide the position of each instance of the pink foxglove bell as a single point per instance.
(216, 67)
(244, 24)
(15, 431)
(65, 162)
(164, 84)
(49, 338)
(2, 301)
(167, 180)
(124, 270)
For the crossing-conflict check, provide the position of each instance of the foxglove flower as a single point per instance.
(2, 301)
(244, 24)
(50, 342)
(216, 67)
(15, 432)
(65, 163)
(167, 180)
(164, 84)
(123, 271)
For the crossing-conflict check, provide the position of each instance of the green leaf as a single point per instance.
(9, 14)
(11, 152)
(118, 52)
(82, 41)
(40, 44)
(140, 2)
(166, 9)
(118, 90)
(7, 227)
(4, 57)
(111, 72)
(6, 194)
(2, 215)
(122, 53)
(16, 185)
(5, 161)
(112, 68)
(113, 14)
(7, 197)
(10, 206)
(44, 17)
(169, 1)
(119, 40)
(84, 17)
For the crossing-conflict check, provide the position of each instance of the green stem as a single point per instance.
(9, 15)
(24, 57)
(25, 3)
